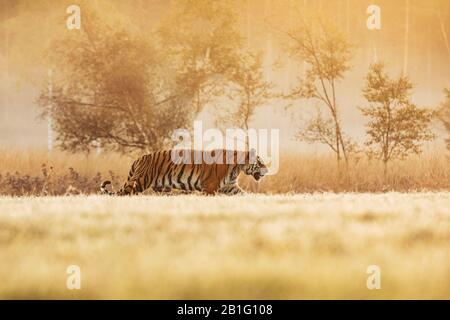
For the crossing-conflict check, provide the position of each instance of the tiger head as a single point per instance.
(256, 168)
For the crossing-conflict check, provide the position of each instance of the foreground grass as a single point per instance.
(252, 247)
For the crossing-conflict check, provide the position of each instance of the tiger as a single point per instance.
(216, 173)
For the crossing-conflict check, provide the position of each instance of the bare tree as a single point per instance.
(396, 126)
(202, 38)
(249, 88)
(327, 52)
(319, 129)
(115, 89)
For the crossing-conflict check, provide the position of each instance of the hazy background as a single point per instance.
(28, 27)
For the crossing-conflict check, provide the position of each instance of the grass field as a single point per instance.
(253, 247)
(37, 173)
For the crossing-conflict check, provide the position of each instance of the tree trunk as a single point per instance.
(50, 111)
(385, 170)
(340, 145)
(199, 106)
(344, 151)
(339, 140)
(338, 148)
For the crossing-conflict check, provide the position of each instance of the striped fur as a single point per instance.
(159, 172)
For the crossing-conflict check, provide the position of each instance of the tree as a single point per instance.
(444, 115)
(203, 41)
(327, 53)
(113, 88)
(396, 126)
(249, 88)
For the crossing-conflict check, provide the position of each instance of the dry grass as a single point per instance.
(320, 174)
(30, 162)
(39, 173)
(21, 174)
(254, 247)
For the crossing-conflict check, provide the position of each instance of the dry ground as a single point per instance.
(256, 246)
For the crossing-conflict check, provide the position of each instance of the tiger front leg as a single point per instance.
(132, 187)
(237, 191)
(128, 189)
(232, 190)
(162, 190)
